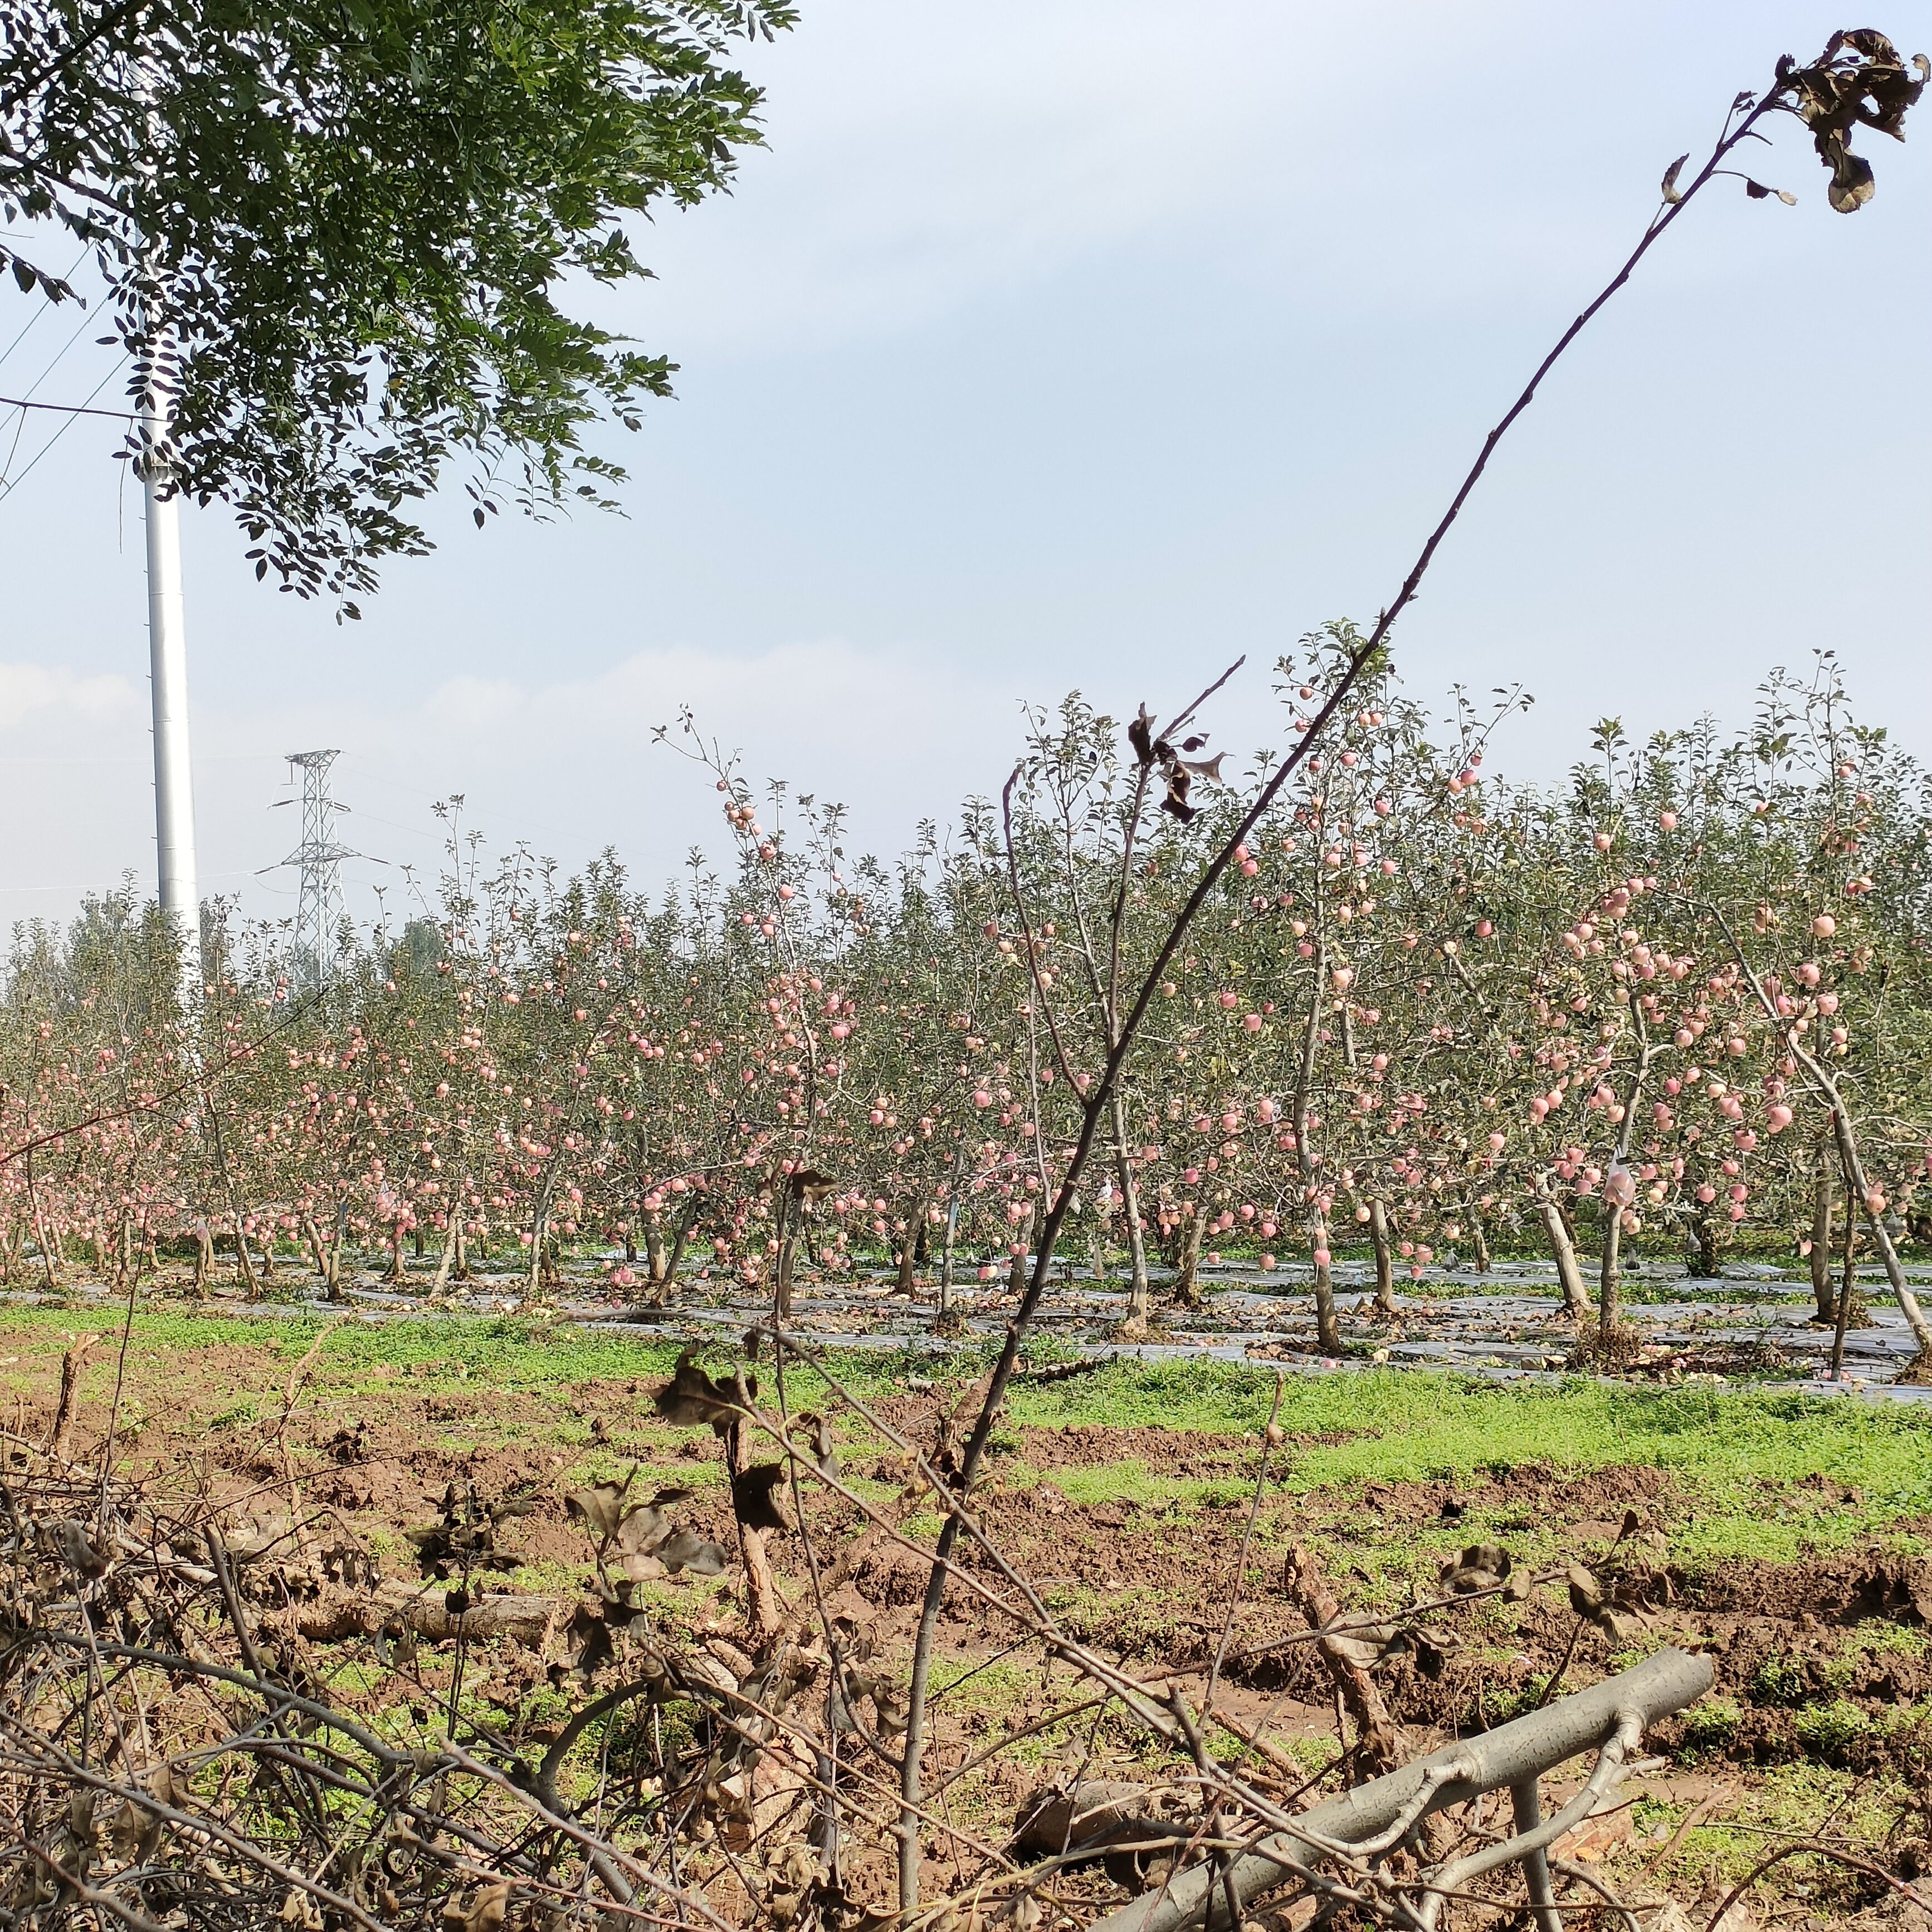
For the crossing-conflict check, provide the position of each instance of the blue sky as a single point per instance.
(1064, 344)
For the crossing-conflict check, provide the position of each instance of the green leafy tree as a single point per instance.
(351, 233)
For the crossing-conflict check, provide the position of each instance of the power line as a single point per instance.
(70, 408)
(9, 484)
(201, 758)
(535, 825)
(59, 355)
(101, 885)
(45, 308)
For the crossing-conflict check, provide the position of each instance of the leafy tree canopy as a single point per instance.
(350, 232)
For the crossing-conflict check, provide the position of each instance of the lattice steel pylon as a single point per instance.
(319, 859)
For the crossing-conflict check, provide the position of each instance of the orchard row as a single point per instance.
(1681, 1001)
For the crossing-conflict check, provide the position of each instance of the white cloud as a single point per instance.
(914, 167)
(52, 700)
(568, 767)
(572, 765)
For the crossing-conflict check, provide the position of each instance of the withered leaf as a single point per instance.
(590, 1636)
(1482, 1566)
(686, 1549)
(1140, 735)
(691, 1400)
(1851, 182)
(1670, 174)
(485, 1913)
(1208, 768)
(1363, 1644)
(600, 1507)
(888, 1701)
(752, 1501)
(1431, 1648)
(1835, 95)
(1586, 1593)
(1759, 192)
(642, 1528)
(133, 1831)
(77, 1548)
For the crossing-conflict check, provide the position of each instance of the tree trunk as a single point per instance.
(1848, 1283)
(335, 1250)
(1378, 1239)
(1378, 1744)
(764, 1606)
(1480, 1240)
(244, 1268)
(654, 1251)
(48, 1257)
(312, 1234)
(944, 1314)
(686, 1222)
(419, 1244)
(1187, 1287)
(1823, 1201)
(1328, 1329)
(790, 1210)
(204, 1257)
(1610, 1310)
(452, 1235)
(1704, 1235)
(781, 1285)
(396, 1276)
(1016, 1275)
(71, 1364)
(1140, 1295)
(1908, 1302)
(1576, 1297)
(908, 1257)
(1609, 1303)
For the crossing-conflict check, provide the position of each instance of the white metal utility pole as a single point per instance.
(167, 653)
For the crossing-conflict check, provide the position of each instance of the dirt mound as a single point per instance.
(1846, 1587)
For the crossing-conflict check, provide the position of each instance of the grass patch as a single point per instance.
(1728, 1449)
(1129, 1481)
(1799, 1799)
(1737, 1456)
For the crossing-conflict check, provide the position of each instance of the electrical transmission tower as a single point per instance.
(319, 859)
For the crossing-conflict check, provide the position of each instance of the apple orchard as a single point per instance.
(1679, 1005)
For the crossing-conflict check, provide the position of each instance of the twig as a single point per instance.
(1268, 1436)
